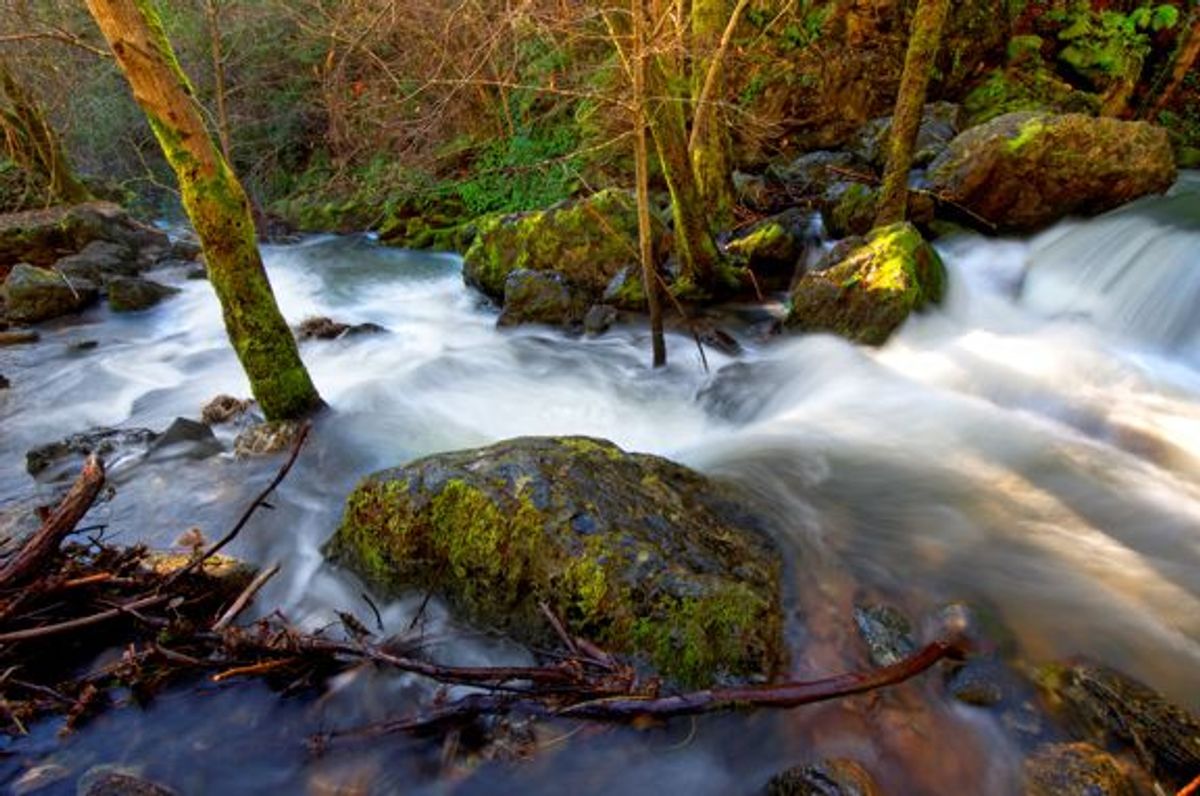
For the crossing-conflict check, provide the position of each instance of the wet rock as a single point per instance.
(1075, 769)
(83, 345)
(21, 337)
(1105, 705)
(110, 444)
(599, 319)
(223, 409)
(587, 242)
(827, 778)
(184, 249)
(809, 177)
(268, 438)
(838, 252)
(849, 209)
(186, 438)
(887, 632)
(1024, 171)
(322, 328)
(34, 294)
(940, 123)
(113, 781)
(41, 237)
(99, 261)
(625, 291)
(636, 553)
(4, 382)
(869, 294)
(978, 683)
(132, 294)
(773, 247)
(537, 297)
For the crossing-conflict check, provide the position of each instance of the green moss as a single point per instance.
(1026, 135)
(586, 445)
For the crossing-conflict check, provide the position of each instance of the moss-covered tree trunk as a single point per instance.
(710, 142)
(923, 44)
(642, 168)
(215, 203)
(30, 141)
(1186, 56)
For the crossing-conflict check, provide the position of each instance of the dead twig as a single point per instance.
(85, 621)
(243, 599)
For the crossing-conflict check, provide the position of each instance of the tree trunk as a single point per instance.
(213, 12)
(215, 203)
(712, 29)
(923, 45)
(642, 169)
(33, 144)
(1185, 59)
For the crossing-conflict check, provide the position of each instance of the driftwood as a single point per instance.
(29, 561)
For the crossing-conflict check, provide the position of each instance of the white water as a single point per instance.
(1032, 447)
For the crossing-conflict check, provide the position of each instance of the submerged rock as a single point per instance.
(1024, 171)
(224, 408)
(869, 294)
(186, 438)
(132, 294)
(1075, 769)
(34, 294)
(887, 632)
(110, 780)
(537, 297)
(108, 443)
(265, 439)
(587, 242)
(636, 553)
(1103, 704)
(826, 778)
(322, 328)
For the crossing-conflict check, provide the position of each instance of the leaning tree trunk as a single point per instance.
(1185, 60)
(32, 143)
(923, 46)
(216, 204)
(712, 30)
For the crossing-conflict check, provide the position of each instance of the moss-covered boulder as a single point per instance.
(587, 242)
(1075, 769)
(33, 294)
(1023, 171)
(538, 297)
(849, 209)
(869, 294)
(773, 247)
(41, 237)
(636, 553)
(132, 293)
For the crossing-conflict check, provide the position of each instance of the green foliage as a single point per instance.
(1102, 45)
(523, 172)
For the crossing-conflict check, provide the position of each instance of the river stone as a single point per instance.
(18, 337)
(108, 443)
(634, 552)
(773, 247)
(223, 409)
(887, 633)
(869, 294)
(827, 778)
(132, 294)
(320, 327)
(34, 294)
(265, 439)
(107, 780)
(1023, 171)
(940, 123)
(99, 261)
(186, 438)
(1075, 769)
(1103, 704)
(4, 382)
(537, 297)
(849, 209)
(42, 237)
(809, 176)
(599, 319)
(586, 241)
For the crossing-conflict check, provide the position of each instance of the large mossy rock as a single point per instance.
(869, 294)
(33, 294)
(636, 553)
(587, 242)
(1023, 171)
(41, 237)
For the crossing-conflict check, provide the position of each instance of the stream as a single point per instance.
(1031, 448)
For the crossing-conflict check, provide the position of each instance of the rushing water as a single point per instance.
(1032, 447)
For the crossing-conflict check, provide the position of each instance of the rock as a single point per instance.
(587, 242)
(41, 237)
(625, 291)
(826, 778)
(940, 123)
(868, 295)
(537, 297)
(1028, 88)
(838, 252)
(196, 272)
(132, 293)
(264, 439)
(751, 190)
(224, 408)
(599, 319)
(887, 632)
(21, 337)
(67, 454)
(184, 249)
(1103, 704)
(978, 683)
(849, 209)
(773, 247)
(809, 177)
(4, 382)
(186, 438)
(1023, 171)
(113, 781)
(634, 552)
(1075, 769)
(322, 328)
(34, 294)
(99, 261)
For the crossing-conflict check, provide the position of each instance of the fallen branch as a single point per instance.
(245, 597)
(33, 555)
(84, 621)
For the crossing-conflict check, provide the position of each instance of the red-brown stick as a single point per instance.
(30, 559)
